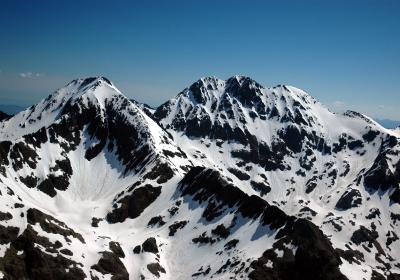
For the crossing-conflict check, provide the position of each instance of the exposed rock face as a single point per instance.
(109, 263)
(314, 257)
(350, 198)
(384, 175)
(34, 263)
(116, 249)
(51, 225)
(133, 205)
(156, 269)
(8, 234)
(150, 245)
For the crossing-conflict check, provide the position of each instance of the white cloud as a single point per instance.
(381, 106)
(28, 75)
(338, 106)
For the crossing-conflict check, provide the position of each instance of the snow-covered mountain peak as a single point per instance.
(283, 145)
(92, 89)
(91, 80)
(232, 181)
(209, 91)
(78, 95)
(210, 80)
(92, 121)
(237, 82)
(203, 89)
(274, 128)
(93, 115)
(230, 109)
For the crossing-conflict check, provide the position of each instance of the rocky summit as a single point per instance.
(227, 180)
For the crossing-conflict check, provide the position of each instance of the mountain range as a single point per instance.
(388, 123)
(227, 180)
(11, 109)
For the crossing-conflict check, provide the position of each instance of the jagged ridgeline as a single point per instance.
(228, 180)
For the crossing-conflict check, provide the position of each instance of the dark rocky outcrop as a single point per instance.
(131, 206)
(293, 138)
(158, 220)
(52, 225)
(352, 256)
(207, 185)
(370, 135)
(53, 183)
(175, 226)
(364, 235)
(156, 269)
(21, 154)
(116, 249)
(37, 138)
(350, 198)
(5, 147)
(5, 216)
(260, 187)
(221, 231)
(239, 174)
(381, 177)
(268, 157)
(137, 249)
(36, 264)
(162, 171)
(150, 245)
(30, 181)
(96, 221)
(8, 234)
(314, 257)
(110, 263)
(231, 244)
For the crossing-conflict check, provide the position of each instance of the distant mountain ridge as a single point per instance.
(14, 109)
(4, 116)
(388, 123)
(11, 109)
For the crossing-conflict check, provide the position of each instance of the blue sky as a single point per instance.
(344, 53)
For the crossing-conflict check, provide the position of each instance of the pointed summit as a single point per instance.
(228, 109)
(79, 95)
(95, 89)
(91, 83)
(238, 81)
(92, 119)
